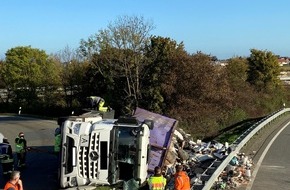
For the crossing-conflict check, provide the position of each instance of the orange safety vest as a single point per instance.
(182, 181)
(11, 186)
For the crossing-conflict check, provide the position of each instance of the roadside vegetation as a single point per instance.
(130, 67)
(231, 133)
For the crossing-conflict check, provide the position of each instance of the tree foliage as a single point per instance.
(201, 95)
(26, 71)
(23, 67)
(263, 69)
(73, 74)
(163, 55)
(236, 71)
(2, 84)
(242, 93)
(117, 53)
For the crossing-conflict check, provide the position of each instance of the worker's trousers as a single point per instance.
(7, 169)
(21, 157)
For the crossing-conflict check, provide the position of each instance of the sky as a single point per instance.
(224, 28)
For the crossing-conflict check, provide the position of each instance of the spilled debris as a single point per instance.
(201, 159)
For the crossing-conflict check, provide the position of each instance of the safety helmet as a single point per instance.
(21, 134)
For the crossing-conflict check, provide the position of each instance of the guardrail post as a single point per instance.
(19, 111)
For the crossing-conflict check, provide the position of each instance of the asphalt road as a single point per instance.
(274, 166)
(41, 170)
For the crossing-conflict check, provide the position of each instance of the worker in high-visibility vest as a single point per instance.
(181, 179)
(6, 157)
(14, 183)
(21, 149)
(101, 106)
(98, 103)
(157, 181)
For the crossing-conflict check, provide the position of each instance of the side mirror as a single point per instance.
(149, 123)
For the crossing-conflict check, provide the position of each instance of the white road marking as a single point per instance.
(273, 167)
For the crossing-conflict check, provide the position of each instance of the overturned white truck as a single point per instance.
(98, 151)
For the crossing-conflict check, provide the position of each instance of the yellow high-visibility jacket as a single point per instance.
(157, 183)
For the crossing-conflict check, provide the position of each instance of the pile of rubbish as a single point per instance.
(198, 158)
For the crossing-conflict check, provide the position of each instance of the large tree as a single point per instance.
(263, 69)
(263, 75)
(200, 96)
(241, 92)
(163, 56)
(73, 74)
(28, 71)
(118, 55)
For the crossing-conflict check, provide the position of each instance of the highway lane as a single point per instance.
(274, 166)
(41, 170)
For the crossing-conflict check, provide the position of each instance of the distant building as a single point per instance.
(221, 63)
(283, 61)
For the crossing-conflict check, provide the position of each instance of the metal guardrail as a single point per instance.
(239, 143)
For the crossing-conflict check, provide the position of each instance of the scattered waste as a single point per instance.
(201, 159)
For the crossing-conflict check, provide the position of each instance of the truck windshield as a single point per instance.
(127, 145)
(127, 153)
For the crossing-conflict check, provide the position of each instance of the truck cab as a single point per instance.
(104, 151)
